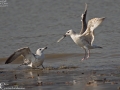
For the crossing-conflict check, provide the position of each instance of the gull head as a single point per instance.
(69, 32)
(40, 50)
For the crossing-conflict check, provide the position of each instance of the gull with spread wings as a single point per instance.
(30, 59)
(85, 38)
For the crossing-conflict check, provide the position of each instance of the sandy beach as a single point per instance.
(61, 76)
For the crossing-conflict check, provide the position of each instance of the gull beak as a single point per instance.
(45, 47)
(64, 35)
(61, 38)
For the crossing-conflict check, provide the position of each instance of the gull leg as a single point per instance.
(84, 55)
(88, 54)
(43, 66)
(21, 65)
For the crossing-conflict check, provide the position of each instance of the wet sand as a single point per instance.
(60, 76)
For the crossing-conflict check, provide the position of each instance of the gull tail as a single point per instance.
(95, 46)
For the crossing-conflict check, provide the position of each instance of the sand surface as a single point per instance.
(60, 75)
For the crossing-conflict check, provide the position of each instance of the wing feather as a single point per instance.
(84, 24)
(23, 51)
(88, 35)
(94, 23)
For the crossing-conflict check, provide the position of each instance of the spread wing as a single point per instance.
(94, 23)
(23, 51)
(83, 19)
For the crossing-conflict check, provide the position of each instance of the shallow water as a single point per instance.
(36, 23)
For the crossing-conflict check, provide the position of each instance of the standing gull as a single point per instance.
(85, 38)
(30, 59)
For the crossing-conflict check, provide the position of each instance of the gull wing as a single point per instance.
(84, 24)
(94, 23)
(23, 51)
(88, 35)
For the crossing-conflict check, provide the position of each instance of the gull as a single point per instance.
(85, 38)
(30, 59)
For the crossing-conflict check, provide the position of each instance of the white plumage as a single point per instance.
(30, 59)
(85, 38)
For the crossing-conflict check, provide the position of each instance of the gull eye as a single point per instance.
(40, 49)
(67, 32)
